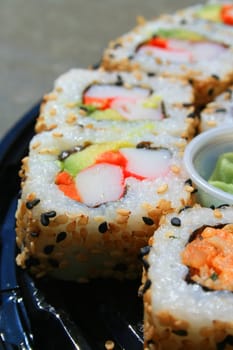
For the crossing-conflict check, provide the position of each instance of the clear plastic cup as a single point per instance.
(200, 159)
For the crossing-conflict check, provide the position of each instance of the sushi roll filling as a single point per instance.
(180, 46)
(209, 256)
(217, 13)
(98, 173)
(116, 102)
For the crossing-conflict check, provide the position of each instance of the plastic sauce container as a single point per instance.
(200, 158)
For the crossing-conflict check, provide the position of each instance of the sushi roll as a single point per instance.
(91, 199)
(172, 46)
(187, 282)
(219, 112)
(99, 97)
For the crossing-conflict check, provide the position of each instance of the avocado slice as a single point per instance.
(152, 101)
(180, 34)
(210, 12)
(85, 158)
(107, 114)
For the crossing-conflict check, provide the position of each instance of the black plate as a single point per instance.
(50, 314)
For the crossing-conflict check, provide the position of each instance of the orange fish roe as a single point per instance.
(210, 258)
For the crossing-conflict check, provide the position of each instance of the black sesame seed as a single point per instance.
(34, 234)
(103, 227)
(180, 332)
(151, 74)
(130, 57)
(48, 249)
(117, 45)
(61, 236)
(176, 221)
(215, 76)
(51, 214)
(33, 203)
(210, 92)
(220, 110)
(144, 251)
(190, 81)
(119, 81)
(228, 340)
(96, 65)
(145, 263)
(189, 182)
(44, 218)
(184, 208)
(146, 286)
(148, 221)
(191, 115)
(187, 104)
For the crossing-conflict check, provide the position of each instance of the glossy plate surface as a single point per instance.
(49, 314)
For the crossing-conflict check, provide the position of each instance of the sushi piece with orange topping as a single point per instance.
(187, 281)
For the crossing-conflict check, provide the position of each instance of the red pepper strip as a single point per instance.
(227, 14)
(98, 102)
(158, 42)
(66, 184)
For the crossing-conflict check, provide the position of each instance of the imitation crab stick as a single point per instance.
(227, 14)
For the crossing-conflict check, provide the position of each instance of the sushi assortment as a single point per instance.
(104, 182)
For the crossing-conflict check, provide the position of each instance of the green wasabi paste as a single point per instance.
(222, 176)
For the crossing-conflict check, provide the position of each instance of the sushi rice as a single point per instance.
(219, 112)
